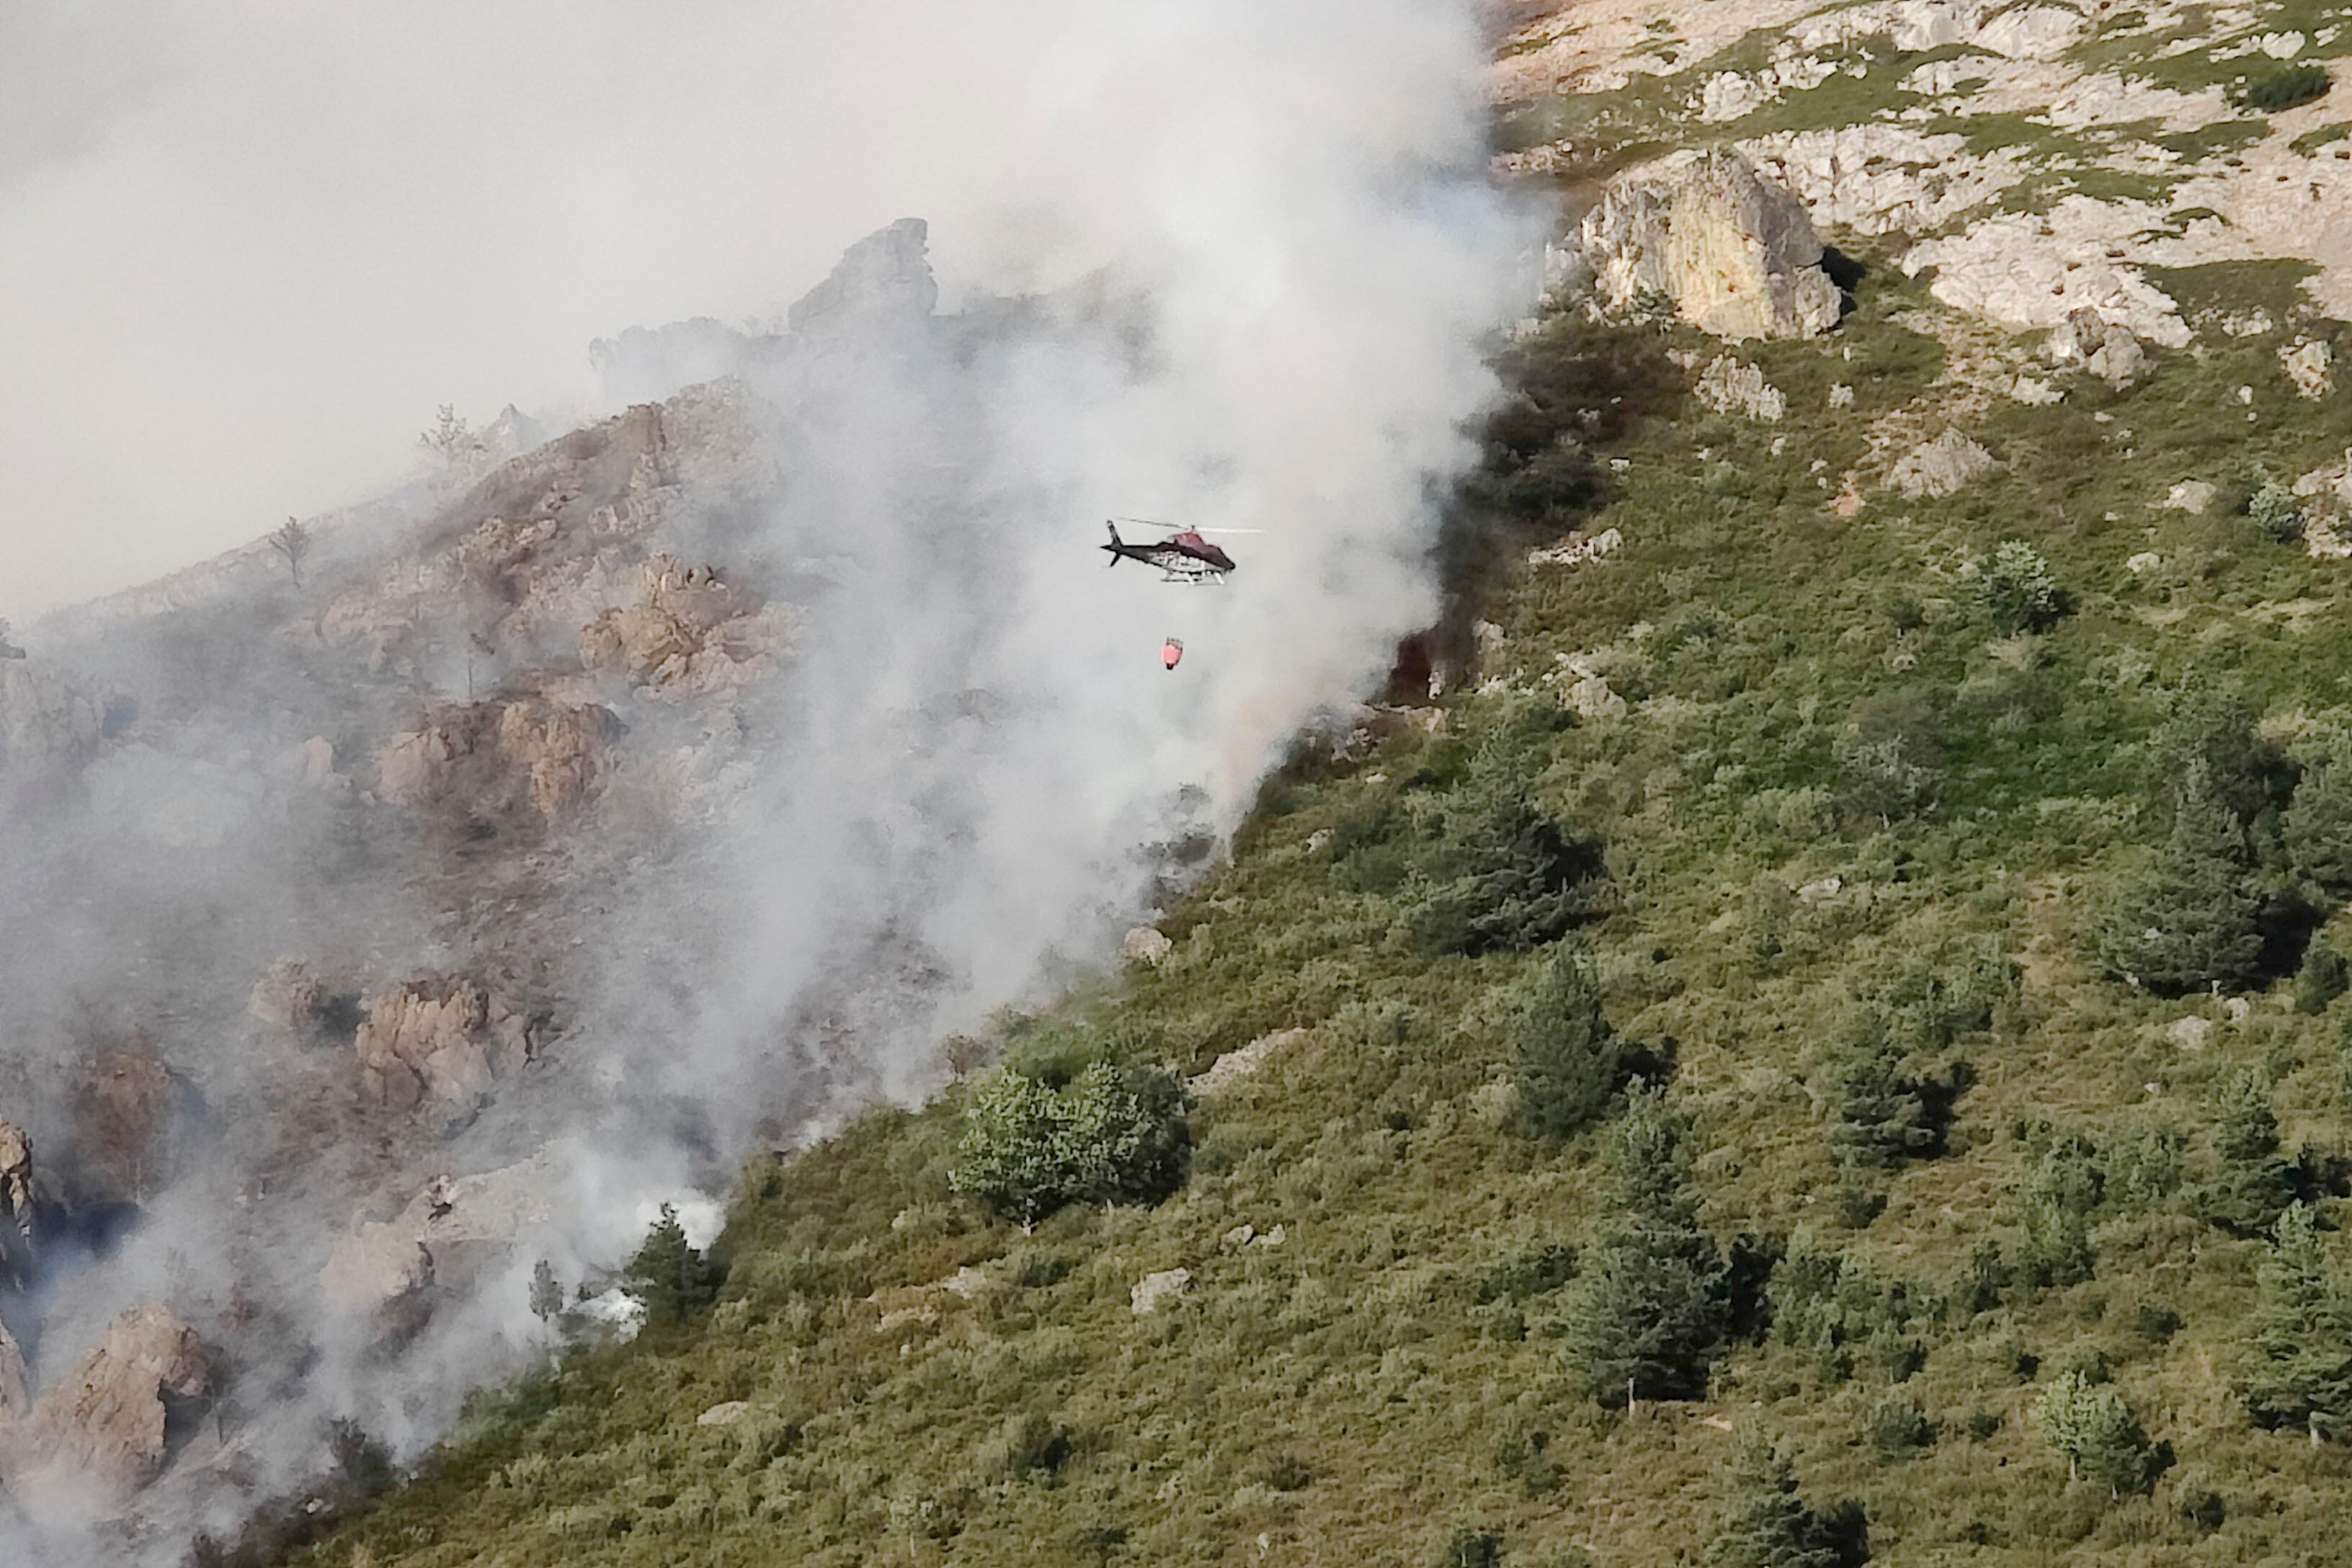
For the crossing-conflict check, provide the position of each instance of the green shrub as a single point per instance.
(670, 1278)
(2064, 1188)
(1566, 1059)
(1113, 1135)
(1890, 762)
(2283, 87)
(2099, 1435)
(1469, 1546)
(2020, 591)
(1648, 1317)
(2275, 513)
(1898, 1427)
(2191, 916)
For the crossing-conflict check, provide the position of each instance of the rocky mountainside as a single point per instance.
(344, 883)
(1813, 1033)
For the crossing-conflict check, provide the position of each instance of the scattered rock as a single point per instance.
(2238, 1009)
(1153, 1290)
(1145, 945)
(2034, 392)
(1737, 256)
(289, 996)
(1234, 1066)
(1842, 395)
(1590, 697)
(2307, 364)
(1940, 467)
(2190, 496)
(1576, 549)
(2104, 348)
(2141, 564)
(104, 1430)
(725, 1415)
(1820, 891)
(2190, 1034)
(1729, 385)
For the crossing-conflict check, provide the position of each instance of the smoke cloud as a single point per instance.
(1227, 263)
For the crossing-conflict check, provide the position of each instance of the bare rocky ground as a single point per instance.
(2079, 186)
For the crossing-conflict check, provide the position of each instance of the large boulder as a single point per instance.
(439, 1039)
(106, 1427)
(1737, 256)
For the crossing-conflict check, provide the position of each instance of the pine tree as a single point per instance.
(1491, 870)
(2099, 1433)
(2253, 1183)
(1568, 1058)
(1648, 1315)
(2317, 827)
(1882, 1117)
(546, 1293)
(671, 1278)
(2297, 1367)
(2192, 916)
(1764, 1523)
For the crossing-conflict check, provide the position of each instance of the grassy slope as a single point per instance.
(1349, 1395)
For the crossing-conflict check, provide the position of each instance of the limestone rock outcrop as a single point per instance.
(885, 276)
(444, 1236)
(687, 632)
(15, 1380)
(106, 1428)
(488, 758)
(1737, 256)
(441, 1039)
(15, 1209)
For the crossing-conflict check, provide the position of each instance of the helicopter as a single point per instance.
(1184, 556)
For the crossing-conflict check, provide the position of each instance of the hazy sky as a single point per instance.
(247, 245)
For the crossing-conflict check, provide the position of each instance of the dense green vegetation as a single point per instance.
(1881, 1094)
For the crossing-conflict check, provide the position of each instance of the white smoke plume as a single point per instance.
(1232, 263)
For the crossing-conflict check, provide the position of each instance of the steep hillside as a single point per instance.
(1847, 956)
